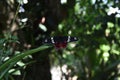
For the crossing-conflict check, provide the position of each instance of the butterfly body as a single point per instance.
(60, 41)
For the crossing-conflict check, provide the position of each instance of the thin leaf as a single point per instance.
(19, 57)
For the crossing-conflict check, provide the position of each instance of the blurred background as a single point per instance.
(95, 56)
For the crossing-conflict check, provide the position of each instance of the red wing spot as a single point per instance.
(60, 45)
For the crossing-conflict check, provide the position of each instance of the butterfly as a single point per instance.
(60, 41)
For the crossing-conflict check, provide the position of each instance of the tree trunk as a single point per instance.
(40, 70)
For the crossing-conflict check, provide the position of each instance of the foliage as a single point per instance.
(12, 61)
(95, 56)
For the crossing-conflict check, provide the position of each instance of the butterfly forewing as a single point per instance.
(73, 39)
(47, 40)
(60, 39)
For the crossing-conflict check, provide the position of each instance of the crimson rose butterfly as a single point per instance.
(60, 41)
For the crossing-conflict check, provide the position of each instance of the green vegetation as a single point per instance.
(23, 26)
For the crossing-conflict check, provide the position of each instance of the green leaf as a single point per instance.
(110, 24)
(11, 62)
(43, 27)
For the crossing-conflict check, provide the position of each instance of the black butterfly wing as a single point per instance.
(72, 39)
(59, 39)
(47, 40)
(65, 39)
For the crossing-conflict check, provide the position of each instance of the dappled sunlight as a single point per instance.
(57, 74)
(60, 40)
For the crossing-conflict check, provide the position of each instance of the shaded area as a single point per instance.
(95, 56)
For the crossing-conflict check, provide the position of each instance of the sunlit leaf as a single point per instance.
(43, 27)
(104, 47)
(110, 24)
